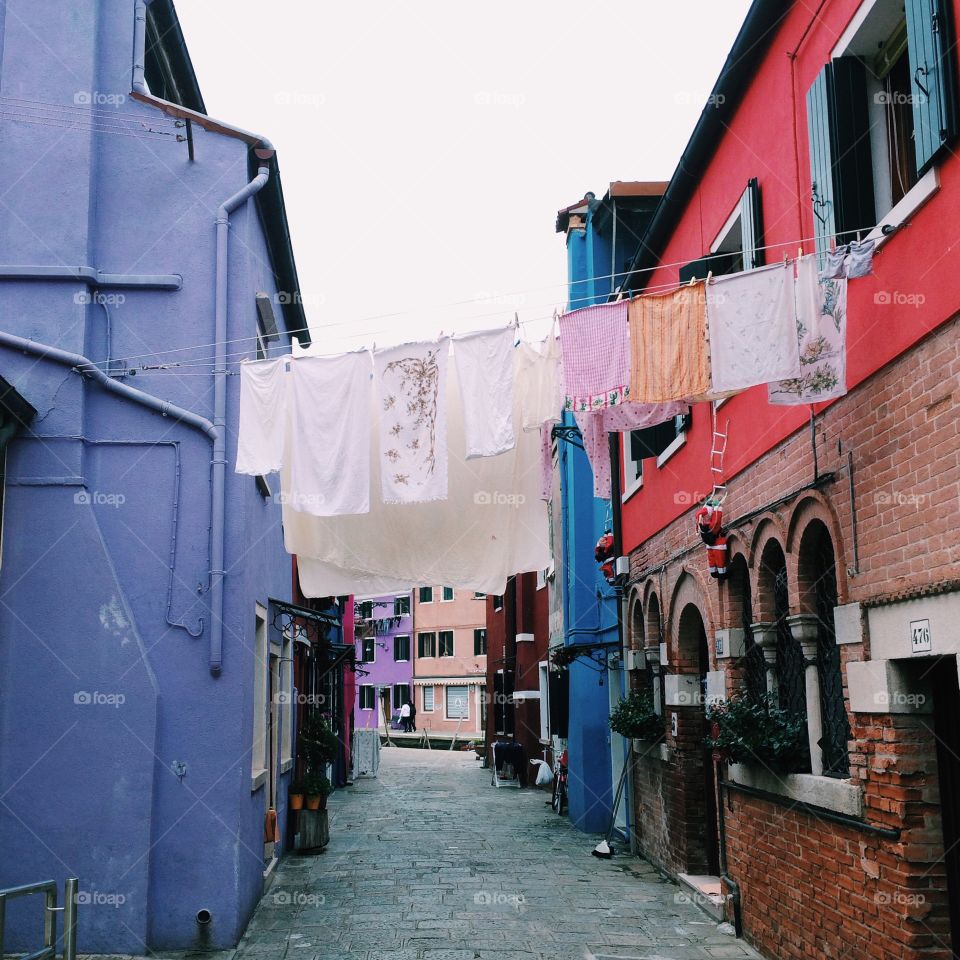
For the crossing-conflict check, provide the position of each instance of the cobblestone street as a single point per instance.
(429, 862)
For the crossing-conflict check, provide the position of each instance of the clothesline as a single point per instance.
(652, 289)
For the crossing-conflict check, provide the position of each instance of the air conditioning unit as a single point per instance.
(622, 566)
(636, 660)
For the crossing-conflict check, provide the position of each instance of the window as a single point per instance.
(426, 644)
(458, 703)
(401, 648)
(368, 696)
(447, 594)
(503, 705)
(659, 441)
(479, 596)
(426, 594)
(428, 699)
(368, 649)
(401, 695)
(497, 603)
(364, 610)
(479, 643)
(258, 755)
(446, 643)
(401, 606)
(880, 114)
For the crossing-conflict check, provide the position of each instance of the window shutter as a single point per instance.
(821, 159)
(934, 82)
(852, 155)
(751, 223)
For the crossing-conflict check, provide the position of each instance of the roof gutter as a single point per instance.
(755, 36)
(263, 148)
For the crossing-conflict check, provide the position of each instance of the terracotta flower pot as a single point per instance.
(296, 801)
(313, 802)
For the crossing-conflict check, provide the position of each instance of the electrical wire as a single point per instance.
(210, 361)
(66, 124)
(82, 110)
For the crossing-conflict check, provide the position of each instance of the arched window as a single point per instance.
(818, 584)
(741, 606)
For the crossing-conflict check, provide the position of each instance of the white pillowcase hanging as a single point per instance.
(485, 369)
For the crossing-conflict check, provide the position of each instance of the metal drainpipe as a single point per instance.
(219, 462)
(89, 369)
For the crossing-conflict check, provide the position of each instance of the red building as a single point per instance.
(834, 119)
(517, 691)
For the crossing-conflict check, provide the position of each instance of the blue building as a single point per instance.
(601, 238)
(144, 645)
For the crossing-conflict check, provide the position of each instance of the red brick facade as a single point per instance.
(810, 886)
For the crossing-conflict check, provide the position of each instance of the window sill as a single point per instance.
(286, 765)
(257, 779)
(824, 792)
(632, 489)
(916, 197)
(672, 449)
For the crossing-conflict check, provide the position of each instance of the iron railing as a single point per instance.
(69, 910)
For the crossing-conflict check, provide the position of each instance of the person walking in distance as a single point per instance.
(405, 717)
(413, 714)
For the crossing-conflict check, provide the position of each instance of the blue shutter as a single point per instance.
(934, 85)
(821, 160)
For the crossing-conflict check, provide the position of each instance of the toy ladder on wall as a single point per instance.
(718, 450)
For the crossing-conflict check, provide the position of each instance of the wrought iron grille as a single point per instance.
(790, 662)
(836, 728)
(756, 666)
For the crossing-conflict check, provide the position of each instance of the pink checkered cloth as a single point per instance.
(595, 346)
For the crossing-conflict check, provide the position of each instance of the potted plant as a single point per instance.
(635, 718)
(296, 794)
(317, 788)
(756, 730)
(318, 744)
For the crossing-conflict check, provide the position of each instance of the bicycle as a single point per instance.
(559, 799)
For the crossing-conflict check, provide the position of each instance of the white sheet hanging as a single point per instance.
(263, 417)
(411, 385)
(539, 382)
(752, 323)
(485, 369)
(822, 332)
(330, 399)
(493, 525)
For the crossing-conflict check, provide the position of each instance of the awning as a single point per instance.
(475, 680)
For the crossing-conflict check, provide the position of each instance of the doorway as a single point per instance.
(946, 708)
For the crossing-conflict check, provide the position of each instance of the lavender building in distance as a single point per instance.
(384, 632)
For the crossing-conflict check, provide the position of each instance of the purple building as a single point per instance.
(384, 631)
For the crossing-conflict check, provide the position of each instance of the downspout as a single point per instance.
(89, 369)
(219, 462)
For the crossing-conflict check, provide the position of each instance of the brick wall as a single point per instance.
(810, 887)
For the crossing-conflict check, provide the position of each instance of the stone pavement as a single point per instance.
(430, 862)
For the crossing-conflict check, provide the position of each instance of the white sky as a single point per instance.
(425, 146)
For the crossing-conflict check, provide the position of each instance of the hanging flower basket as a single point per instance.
(756, 730)
(635, 718)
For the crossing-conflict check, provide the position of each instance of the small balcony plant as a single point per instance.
(296, 794)
(634, 717)
(756, 730)
(317, 788)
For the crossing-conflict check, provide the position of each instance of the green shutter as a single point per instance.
(821, 159)
(929, 36)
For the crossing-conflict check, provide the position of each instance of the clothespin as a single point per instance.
(516, 321)
(799, 253)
